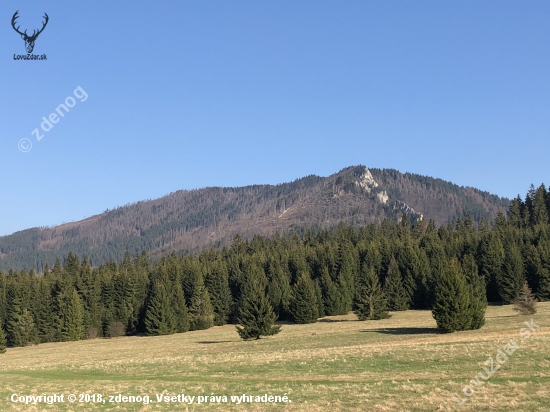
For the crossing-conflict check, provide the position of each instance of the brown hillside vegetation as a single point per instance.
(197, 219)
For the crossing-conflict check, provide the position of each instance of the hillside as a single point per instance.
(197, 219)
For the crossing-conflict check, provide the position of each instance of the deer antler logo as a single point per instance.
(29, 40)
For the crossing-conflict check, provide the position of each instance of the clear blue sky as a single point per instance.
(188, 94)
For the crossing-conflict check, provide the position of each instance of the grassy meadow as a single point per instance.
(336, 364)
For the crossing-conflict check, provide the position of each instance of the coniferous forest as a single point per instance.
(453, 270)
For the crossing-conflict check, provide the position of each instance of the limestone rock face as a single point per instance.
(366, 181)
(383, 197)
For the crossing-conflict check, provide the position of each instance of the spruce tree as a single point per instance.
(540, 210)
(217, 284)
(73, 325)
(407, 261)
(304, 302)
(24, 331)
(332, 296)
(532, 266)
(452, 307)
(346, 275)
(3, 340)
(200, 309)
(278, 288)
(393, 288)
(490, 259)
(543, 277)
(3, 298)
(255, 314)
(181, 314)
(159, 317)
(370, 302)
(478, 291)
(512, 277)
(319, 296)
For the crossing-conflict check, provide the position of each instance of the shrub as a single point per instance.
(526, 302)
(91, 333)
(116, 329)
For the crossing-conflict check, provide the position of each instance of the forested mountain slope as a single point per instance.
(197, 219)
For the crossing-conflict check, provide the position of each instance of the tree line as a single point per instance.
(454, 270)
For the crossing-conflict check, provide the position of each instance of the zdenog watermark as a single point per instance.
(48, 123)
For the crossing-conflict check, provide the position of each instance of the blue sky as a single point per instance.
(188, 94)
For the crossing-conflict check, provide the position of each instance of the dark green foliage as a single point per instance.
(279, 291)
(407, 261)
(543, 276)
(3, 340)
(319, 298)
(333, 297)
(21, 329)
(478, 292)
(346, 274)
(304, 305)
(159, 317)
(370, 301)
(200, 309)
(256, 316)
(73, 324)
(512, 276)
(490, 261)
(19, 321)
(394, 290)
(217, 284)
(181, 314)
(452, 305)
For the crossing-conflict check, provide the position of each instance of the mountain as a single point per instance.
(192, 220)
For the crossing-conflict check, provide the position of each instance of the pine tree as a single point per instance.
(73, 325)
(304, 303)
(452, 306)
(370, 302)
(256, 316)
(3, 340)
(511, 279)
(394, 289)
(200, 309)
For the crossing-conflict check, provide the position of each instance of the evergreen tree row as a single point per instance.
(453, 270)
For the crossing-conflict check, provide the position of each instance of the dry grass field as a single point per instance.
(337, 364)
